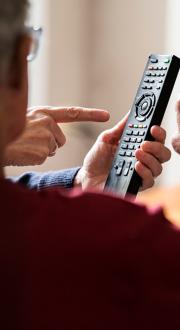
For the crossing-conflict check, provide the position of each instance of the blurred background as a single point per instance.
(93, 54)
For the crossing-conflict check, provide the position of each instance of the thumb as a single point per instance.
(178, 113)
(113, 135)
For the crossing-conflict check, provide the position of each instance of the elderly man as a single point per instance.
(76, 260)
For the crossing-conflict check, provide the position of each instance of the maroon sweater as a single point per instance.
(86, 261)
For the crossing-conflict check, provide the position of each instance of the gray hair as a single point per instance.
(12, 19)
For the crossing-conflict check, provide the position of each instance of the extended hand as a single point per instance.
(98, 161)
(42, 135)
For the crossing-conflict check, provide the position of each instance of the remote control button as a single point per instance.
(128, 164)
(141, 118)
(128, 153)
(144, 97)
(116, 166)
(145, 110)
(144, 106)
(148, 74)
(167, 60)
(139, 140)
(149, 87)
(133, 139)
(162, 74)
(136, 126)
(152, 81)
(119, 171)
(130, 125)
(164, 67)
(146, 80)
(122, 153)
(128, 132)
(135, 133)
(144, 87)
(160, 81)
(126, 171)
(158, 87)
(119, 167)
(131, 146)
(141, 133)
(153, 98)
(121, 163)
(127, 168)
(126, 139)
(124, 146)
(154, 60)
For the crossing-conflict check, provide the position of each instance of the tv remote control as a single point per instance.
(148, 109)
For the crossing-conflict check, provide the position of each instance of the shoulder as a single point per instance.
(90, 204)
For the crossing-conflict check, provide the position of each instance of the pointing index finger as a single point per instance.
(76, 114)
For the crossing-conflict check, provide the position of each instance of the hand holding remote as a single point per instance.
(147, 110)
(97, 163)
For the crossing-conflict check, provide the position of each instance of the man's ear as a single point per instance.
(18, 66)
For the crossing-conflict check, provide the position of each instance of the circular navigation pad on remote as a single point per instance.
(144, 106)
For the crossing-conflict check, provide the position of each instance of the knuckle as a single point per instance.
(47, 121)
(35, 112)
(148, 183)
(44, 155)
(47, 136)
(60, 139)
(41, 159)
(168, 154)
(63, 141)
(73, 112)
(159, 170)
(151, 183)
(104, 136)
(161, 129)
(157, 148)
(163, 133)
